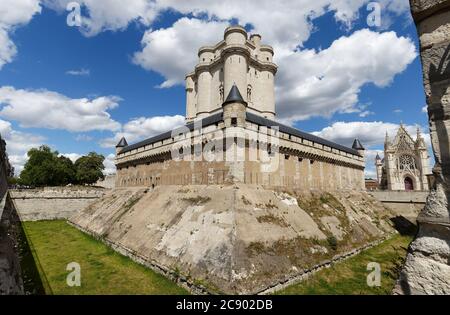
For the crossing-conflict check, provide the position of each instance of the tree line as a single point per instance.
(48, 168)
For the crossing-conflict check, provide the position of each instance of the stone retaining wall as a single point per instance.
(10, 271)
(403, 203)
(50, 203)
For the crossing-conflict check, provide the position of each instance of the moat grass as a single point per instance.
(55, 244)
(350, 276)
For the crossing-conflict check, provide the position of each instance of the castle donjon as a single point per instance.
(231, 133)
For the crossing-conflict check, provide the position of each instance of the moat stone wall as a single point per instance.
(11, 281)
(50, 203)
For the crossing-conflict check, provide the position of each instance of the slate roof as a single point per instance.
(357, 145)
(234, 96)
(256, 119)
(207, 121)
(253, 118)
(122, 143)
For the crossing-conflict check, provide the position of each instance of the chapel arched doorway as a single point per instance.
(409, 183)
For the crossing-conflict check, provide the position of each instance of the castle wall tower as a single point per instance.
(235, 60)
(122, 144)
(204, 82)
(361, 151)
(190, 98)
(422, 160)
(379, 168)
(234, 108)
(235, 56)
(267, 82)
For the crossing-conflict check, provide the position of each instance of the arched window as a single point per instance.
(221, 92)
(249, 93)
(406, 162)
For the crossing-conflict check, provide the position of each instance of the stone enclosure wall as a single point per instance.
(403, 203)
(50, 203)
(295, 172)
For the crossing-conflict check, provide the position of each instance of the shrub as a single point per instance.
(332, 242)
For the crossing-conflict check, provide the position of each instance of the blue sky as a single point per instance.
(79, 89)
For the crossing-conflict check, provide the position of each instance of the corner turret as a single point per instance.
(234, 108)
(122, 144)
(358, 147)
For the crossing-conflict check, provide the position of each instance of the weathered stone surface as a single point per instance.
(407, 204)
(427, 267)
(425, 275)
(50, 203)
(235, 238)
(10, 271)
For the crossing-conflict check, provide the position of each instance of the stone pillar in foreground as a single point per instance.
(427, 266)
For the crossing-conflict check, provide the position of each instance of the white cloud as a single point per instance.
(110, 167)
(425, 109)
(371, 134)
(365, 113)
(142, 128)
(172, 52)
(109, 15)
(80, 72)
(83, 137)
(7, 48)
(398, 111)
(309, 82)
(18, 143)
(284, 23)
(13, 13)
(321, 83)
(17, 12)
(46, 109)
(72, 156)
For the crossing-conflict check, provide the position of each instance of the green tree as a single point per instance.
(12, 181)
(89, 168)
(65, 171)
(40, 167)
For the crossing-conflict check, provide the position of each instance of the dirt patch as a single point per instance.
(270, 218)
(198, 200)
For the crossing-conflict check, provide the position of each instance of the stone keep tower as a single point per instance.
(236, 60)
(406, 162)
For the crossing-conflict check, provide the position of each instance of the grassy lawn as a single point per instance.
(55, 244)
(349, 276)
